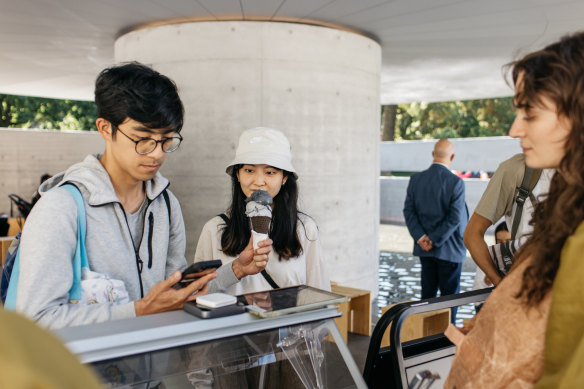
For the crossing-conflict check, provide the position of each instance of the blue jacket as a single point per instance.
(435, 205)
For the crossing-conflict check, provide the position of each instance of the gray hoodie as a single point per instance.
(50, 235)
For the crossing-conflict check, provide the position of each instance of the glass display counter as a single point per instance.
(178, 350)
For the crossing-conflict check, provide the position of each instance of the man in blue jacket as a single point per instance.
(436, 216)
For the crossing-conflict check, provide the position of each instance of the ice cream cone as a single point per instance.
(260, 224)
(258, 210)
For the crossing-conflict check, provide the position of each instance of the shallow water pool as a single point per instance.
(399, 280)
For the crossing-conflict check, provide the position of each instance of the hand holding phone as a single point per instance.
(197, 270)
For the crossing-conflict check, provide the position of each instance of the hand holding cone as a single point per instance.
(259, 211)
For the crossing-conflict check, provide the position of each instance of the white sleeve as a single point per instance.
(204, 250)
(316, 269)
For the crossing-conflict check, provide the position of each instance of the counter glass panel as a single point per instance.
(297, 356)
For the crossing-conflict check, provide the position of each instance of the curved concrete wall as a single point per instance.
(318, 85)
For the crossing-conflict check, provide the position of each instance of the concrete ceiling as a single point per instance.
(433, 50)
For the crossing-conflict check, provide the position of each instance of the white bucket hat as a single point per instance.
(262, 145)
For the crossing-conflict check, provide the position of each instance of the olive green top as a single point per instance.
(564, 343)
(31, 357)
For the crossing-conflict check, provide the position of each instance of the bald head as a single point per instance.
(443, 152)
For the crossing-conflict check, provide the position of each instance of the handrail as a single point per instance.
(398, 314)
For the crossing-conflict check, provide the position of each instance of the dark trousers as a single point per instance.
(443, 275)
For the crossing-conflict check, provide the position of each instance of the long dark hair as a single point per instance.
(556, 72)
(285, 220)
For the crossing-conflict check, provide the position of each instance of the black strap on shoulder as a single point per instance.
(270, 279)
(264, 273)
(532, 183)
(167, 201)
(530, 179)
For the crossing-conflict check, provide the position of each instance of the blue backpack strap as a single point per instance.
(80, 258)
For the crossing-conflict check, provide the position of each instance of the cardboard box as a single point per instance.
(5, 242)
(16, 224)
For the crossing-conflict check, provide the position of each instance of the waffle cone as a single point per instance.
(260, 224)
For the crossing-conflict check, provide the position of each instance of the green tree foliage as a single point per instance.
(454, 119)
(52, 114)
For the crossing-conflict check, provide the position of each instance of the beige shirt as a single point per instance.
(309, 268)
(497, 200)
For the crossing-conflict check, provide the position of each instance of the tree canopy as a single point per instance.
(44, 113)
(454, 119)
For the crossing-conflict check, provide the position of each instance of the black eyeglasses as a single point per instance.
(148, 145)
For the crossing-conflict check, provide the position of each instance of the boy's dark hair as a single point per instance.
(501, 227)
(133, 90)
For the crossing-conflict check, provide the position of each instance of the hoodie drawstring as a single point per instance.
(150, 233)
(139, 262)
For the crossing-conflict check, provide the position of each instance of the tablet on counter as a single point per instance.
(265, 304)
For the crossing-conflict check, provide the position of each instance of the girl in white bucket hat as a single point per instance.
(263, 161)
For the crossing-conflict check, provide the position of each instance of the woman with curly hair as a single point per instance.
(505, 344)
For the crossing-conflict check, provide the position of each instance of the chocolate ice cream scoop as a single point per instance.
(259, 211)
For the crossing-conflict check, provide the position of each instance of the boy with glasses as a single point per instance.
(135, 229)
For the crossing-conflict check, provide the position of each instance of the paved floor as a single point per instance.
(395, 238)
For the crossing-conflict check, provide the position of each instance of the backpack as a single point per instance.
(503, 254)
(8, 266)
(530, 179)
(11, 270)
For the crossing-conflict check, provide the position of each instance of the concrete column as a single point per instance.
(318, 85)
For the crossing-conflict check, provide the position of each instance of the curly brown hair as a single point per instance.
(556, 72)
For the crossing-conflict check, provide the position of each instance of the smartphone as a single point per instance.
(189, 274)
(198, 267)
